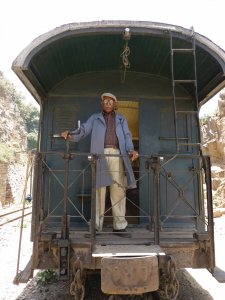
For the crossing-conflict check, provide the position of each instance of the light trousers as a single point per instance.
(117, 193)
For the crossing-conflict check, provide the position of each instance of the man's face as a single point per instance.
(108, 104)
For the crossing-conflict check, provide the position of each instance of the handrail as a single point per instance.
(154, 217)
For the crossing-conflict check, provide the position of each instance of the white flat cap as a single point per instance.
(108, 95)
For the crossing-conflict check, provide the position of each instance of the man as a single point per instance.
(110, 136)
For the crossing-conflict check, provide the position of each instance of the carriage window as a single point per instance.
(63, 118)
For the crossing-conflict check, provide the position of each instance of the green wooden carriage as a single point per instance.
(161, 74)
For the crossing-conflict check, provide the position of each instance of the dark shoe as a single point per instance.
(122, 233)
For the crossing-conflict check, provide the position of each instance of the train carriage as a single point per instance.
(161, 74)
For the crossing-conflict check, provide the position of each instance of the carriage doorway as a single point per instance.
(130, 110)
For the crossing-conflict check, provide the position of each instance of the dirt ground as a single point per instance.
(194, 284)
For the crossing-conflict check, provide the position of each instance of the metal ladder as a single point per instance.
(183, 141)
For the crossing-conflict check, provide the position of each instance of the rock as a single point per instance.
(217, 171)
(222, 210)
(213, 144)
(13, 145)
(221, 104)
(217, 213)
(216, 183)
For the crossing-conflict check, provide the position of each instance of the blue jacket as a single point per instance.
(96, 125)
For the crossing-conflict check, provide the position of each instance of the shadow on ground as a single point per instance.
(59, 290)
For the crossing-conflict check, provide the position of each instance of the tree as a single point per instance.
(30, 114)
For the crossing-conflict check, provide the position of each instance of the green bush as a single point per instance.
(46, 276)
(204, 119)
(6, 153)
(30, 114)
(32, 140)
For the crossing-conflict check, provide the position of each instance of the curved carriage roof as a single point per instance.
(79, 48)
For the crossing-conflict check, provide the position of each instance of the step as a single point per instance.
(24, 275)
(126, 250)
(189, 144)
(219, 274)
(184, 81)
(189, 50)
(187, 111)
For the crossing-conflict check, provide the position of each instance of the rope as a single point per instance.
(126, 63)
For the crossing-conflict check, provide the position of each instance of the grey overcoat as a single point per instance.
(96, 125)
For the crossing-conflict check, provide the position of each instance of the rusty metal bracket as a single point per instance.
(129, 275)
(64, 259)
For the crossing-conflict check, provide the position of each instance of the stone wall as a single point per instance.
(16, 180)
(3, 182)
(12, 182)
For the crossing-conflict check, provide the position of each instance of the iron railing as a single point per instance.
(162, 190)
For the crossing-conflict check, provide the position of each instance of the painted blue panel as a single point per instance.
(179, 177)
(61, 117)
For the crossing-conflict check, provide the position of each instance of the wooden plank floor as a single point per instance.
(138, 236)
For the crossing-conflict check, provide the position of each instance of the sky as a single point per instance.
(21, 21)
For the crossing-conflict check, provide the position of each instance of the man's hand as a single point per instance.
(66, 135)
(133, 155)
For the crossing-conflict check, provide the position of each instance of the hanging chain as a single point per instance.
(170, 286)
(77, 285)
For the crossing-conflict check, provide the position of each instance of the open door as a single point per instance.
(130, 110)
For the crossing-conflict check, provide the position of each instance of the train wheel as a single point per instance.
(147, 296)
(115, 297)
(169, 284)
